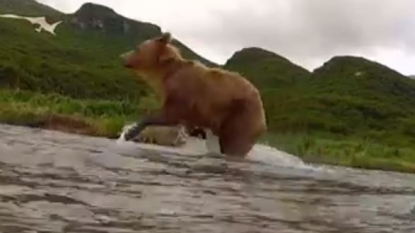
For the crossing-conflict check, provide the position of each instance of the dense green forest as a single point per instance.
(349, 111)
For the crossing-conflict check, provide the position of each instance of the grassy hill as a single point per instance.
(26, 7)
(82, 61)
(119, 32)
(265, 69)
(350, 111)
(355, 96)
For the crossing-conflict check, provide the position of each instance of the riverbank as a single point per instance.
(51, 111)
(348, 152)
(106, 119)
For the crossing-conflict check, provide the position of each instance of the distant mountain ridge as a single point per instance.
(27, 8)
(266, 69)
(105, 20)
(100, 18)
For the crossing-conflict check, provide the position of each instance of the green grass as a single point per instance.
(349, 152)
(350, 111)
(105, 118)
(93, 117)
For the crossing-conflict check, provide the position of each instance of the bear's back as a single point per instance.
(209, 93)
(211, 84)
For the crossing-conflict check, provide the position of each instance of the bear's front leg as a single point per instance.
(147, 121)
(170, 115)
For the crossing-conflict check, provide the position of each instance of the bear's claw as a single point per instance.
(131, 133)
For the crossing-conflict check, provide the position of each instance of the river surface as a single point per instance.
(56, 182)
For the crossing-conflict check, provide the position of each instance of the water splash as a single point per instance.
(124, 130)
(271, 156)
(194, 146)
(267, 154)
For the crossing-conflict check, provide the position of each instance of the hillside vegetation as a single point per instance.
(351, 96)
(350, 111)
(26, 8)
(265, 69)
(82, 61)
(348, 107)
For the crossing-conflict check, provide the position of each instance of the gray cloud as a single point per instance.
(320, 28)
(307, 32)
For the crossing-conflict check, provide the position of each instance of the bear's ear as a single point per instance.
(165, 38)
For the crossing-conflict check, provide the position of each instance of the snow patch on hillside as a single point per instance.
(41, 21)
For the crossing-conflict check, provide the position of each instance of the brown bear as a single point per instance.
(198, 96)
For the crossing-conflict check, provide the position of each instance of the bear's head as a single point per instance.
(151, 60)
(152, 55)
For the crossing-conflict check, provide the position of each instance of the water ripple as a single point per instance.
(55, 182)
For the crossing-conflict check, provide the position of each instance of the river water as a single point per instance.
(56, 182)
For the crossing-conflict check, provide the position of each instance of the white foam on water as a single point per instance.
(272, 156)
(124, 130)
(194, 146)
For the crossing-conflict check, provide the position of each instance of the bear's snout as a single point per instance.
(127, 59)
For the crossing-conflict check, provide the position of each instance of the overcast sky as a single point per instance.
(308, 32)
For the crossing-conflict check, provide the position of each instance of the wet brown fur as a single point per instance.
(195, 95)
